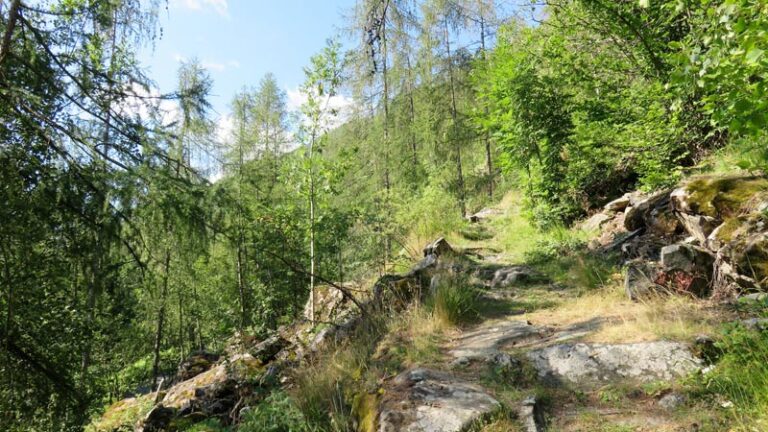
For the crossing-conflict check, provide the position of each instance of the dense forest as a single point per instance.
(120, 253)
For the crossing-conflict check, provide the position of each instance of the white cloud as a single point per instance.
(147, 103)
(341, 103)
(221, 7)
(214, 66)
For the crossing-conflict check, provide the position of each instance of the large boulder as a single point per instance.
(423, 400)
(595, 364)
(157, 419)
(720, 197)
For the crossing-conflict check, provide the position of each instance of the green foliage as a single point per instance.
(562, 256)
(276, 413)
(210, 425)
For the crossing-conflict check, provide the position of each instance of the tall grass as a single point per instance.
(741, 377)
(454, 301)
(326, 387)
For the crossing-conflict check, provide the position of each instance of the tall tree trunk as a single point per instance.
(312, 258)
(387, 183)
(454, 117)
(412, 107)
(161, 317)
(486, 137)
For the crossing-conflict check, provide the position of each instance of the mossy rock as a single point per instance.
(123, 415)
(365, 410)
(724, 197)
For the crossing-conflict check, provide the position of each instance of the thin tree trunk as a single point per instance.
(312, 257)
(486, 137)
(9, 312)
(241, 286)
(413, 115)
(181, 325)
(387, 183)
(454, 117)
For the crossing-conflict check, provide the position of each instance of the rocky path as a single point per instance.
(557, 381)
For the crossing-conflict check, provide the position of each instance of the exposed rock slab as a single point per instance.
(424, 400)
(585, 364)
(491, 337)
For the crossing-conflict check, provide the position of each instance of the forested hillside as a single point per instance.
(135, 235)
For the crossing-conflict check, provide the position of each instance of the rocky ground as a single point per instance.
(542, 354)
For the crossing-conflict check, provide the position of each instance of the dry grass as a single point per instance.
(414, 339)
(618, 319)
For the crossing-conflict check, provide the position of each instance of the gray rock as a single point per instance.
(513, 275)
(157, 419)
(639, 280)
(595, 222)
(686, 269)
(687, 258)
(530, 415)
(636, 216)
(502, 360)
(267, 350)
(438, 247)
(590, 364)
(698, 226)
(483, 214)
(431, 401)
(619, 204)
(753, 298)
(755, 323)
(489, 338)
(460, 363)
(672, 401)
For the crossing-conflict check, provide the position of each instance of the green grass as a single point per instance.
(455, 302)
(739, 382)
(276, 413)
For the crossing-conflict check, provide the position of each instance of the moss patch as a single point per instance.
(724, 197)
(365, 411)
(123, 415)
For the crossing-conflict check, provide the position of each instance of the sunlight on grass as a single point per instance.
(617, 319)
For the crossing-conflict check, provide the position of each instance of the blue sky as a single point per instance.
(239, 41)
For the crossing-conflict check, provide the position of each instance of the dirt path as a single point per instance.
(545, 377)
